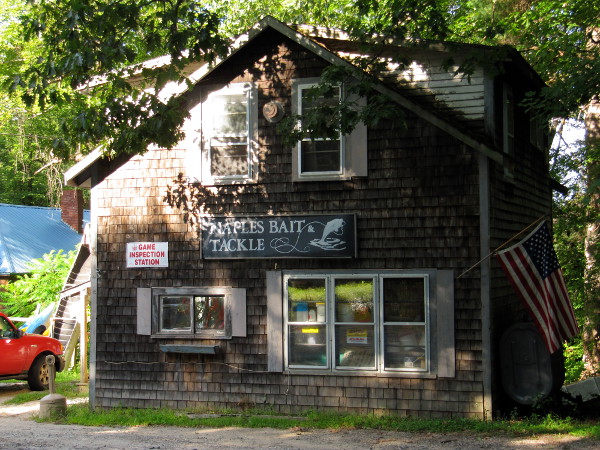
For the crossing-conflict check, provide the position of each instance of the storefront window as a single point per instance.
(307, 330)
(404, 323)
(354, 323)
(361, 323)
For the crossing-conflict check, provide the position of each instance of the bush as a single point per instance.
(41, 286)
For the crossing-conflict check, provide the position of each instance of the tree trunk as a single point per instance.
(591, 330)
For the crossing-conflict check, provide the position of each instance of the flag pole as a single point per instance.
(504, 244)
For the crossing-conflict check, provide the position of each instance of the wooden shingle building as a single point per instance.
(328, 274)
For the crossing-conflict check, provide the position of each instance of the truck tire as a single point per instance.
(39, 374)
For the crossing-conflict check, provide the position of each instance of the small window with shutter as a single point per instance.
(216, 313)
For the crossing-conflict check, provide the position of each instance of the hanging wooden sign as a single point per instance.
(325, 236)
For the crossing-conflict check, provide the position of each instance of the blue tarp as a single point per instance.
(29, 232)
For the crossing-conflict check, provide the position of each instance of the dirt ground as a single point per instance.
(19, 431)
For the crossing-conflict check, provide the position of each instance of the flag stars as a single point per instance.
(540, 250)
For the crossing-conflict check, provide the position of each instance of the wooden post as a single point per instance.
(84, 377)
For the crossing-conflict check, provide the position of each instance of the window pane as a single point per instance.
(320, 156)
(229, 136)
(307, 345)
(306, 300)
(404, 300)
(404, 347)
(228, 160)
(354, 346)
(230, 115)
(311, 100)
(354, 300)
(175, 314)
(209, 312)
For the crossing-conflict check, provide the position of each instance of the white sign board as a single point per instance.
(147, 254)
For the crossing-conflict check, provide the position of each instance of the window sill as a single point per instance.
(211, 182)
(363, 373)
(195, 337)
(324, 177)
(198, 349)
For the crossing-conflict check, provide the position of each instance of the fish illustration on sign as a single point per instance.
(335, 226)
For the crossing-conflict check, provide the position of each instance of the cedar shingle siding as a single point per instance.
(418, 208)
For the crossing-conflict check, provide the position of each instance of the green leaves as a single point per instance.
(554, 36)
(91, 48)
(42, 285)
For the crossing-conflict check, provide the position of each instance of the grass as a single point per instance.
(124, 417)
(81, 414)
(65, 382)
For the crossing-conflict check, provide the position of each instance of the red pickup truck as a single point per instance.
(23, 356)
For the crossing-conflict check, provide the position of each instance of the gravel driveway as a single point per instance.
(18, 431)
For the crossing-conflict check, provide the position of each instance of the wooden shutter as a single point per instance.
(446, 353)
(356, 145)
(144, 311)
(275, 321)
(238, 312)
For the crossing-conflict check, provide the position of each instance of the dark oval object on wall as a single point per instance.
(528, 371)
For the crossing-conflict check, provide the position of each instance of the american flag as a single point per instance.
(533, 269)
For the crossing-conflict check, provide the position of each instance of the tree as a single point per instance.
(90, 50)
(31, 161)
(560, 40)
(41, 286)
(591, 325)
(552, 35)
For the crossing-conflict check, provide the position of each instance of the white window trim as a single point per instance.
(353, 146)
(300, 87)
(442, 356)
(251, 91)
(426, 323)
(378, 324)
(235, 312)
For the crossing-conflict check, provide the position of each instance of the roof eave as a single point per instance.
(80, 174)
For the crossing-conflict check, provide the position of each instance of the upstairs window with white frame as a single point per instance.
(337, 157)
(357, 323)
(319, 155)
(229, 118)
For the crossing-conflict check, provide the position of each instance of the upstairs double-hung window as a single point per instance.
(317, 154)
(332, 157)
(229, 128)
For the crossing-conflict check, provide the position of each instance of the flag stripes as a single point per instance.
(533, 270)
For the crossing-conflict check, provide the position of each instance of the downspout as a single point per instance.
(93, 283)
(485, 283)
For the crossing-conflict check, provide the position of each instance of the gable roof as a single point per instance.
(319, 41)
(29, 232)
